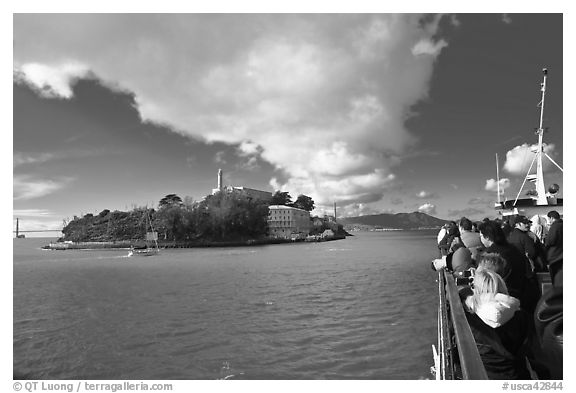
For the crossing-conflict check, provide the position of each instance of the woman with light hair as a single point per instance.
(498, 325)
(490, 299)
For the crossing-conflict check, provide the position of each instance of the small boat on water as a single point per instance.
(456, 354)
(146, 250)
(143, 252)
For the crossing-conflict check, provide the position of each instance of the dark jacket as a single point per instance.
(522, 242)
(500, 348)
(549, 342)
(521, 282)
(553, 242)
(446, 243)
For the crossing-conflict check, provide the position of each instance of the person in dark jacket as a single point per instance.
(452, 233)
(498, 325)
(521, 282)
(553, 243)
(549, 332)
(520, 239)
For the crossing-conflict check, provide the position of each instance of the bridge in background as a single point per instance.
(19, 233)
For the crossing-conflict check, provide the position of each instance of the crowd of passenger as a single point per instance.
(517, 328)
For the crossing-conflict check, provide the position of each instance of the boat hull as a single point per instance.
(143, 253)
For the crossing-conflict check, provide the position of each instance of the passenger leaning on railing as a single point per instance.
(521, 282)
(499, 326)
(451, 236)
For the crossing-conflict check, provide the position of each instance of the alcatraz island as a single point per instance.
(230, 216)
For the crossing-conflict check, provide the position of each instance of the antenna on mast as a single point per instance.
(540, 187)
(498, 178)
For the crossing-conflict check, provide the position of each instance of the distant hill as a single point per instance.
(415, 220)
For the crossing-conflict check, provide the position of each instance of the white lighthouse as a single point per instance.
(220, 179)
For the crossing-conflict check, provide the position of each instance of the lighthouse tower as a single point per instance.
(220, 186)
(220, 179)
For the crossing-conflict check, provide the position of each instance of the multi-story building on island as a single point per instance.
(287, 222)
(265, 196)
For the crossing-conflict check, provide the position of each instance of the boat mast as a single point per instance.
(497, 179)
(540, 187)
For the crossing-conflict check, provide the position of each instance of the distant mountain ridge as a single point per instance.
(413, 220)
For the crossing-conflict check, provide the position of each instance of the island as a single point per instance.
(226, 218)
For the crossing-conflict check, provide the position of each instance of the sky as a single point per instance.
(379, 113)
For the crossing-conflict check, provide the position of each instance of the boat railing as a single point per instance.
(454, 336)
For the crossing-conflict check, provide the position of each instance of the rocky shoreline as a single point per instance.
(182, 244)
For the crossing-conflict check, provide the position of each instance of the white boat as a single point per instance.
(143, 252)
(147, 250)
(539, 200)
(456, 354)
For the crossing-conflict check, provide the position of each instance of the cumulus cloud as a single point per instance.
(51, 80)
(492, 185)
(323, 98)
(357, 210)
(427, 208)
(518, 159)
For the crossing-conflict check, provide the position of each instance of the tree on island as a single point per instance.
(281, 198)
(231, 216)
(226, 216)
(174, 218)
(304, 202)
(169, 200)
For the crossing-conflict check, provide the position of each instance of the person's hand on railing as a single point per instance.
(439, 263)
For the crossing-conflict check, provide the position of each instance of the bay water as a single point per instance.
(359, 308)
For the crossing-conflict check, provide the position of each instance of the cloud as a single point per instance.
(32, 212)
(469, 213)
(357, 210)
(27, 187)
(518, 159)
(51, 80)
(480, 201)
(427, 208)
(492, 185)
(323, 98)
(506, 19)
(454, 21)
(219, 157)
(426, 195)
(23, 159)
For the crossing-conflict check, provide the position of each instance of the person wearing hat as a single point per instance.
(520, 239)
